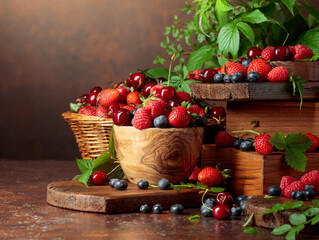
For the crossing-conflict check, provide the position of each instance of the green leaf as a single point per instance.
(185, 87)
(222, 17)
(175, 187)
(84, 164)
(298, 141)
(194, 217)
(251, 230)
(75, 107)
(312, 11)
(310, 39)
(281, 229)
(247, 31)
(112, 146)
(291, 234)
(228, 39)
(295, 159)
(253, 17)
(76, 178)
(290, 5)
(222, 5)
(270, 197)
(316, 202)
(248, 220)
(297, 219)
(199, 56)
(85, 177)
(156, 72)
(311, 212)
(315, 57)
(279, 141)
(216, 189)
(315, 220)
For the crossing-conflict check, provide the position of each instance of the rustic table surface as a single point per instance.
(25, 214)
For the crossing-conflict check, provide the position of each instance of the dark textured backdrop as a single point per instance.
(53, 51)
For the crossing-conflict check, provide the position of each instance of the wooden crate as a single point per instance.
(251, 172)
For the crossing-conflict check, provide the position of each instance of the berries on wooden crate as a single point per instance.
(195, 74)
(221, 212)
(179, 117)
(297, 185)
(210, 176)
(163, 184)
(315, 142)
(293, 194)
(227, 78)
(145, 208)
(99, 178)
(282, 53)
(253, 52)
(177, 209)
(120, 185)
(274, 190)
(278, 74)
(302, 52)
(224, 139)
(300, 195)
(142, 119)
(156, 107)
(311, 178)
(310, 194)
(260, 66)
(285, 181)
(219, 78)
(122, 117)
(113, 181)
(247, 146)
(208, 75)
(262, 144)
(183, 97)
(308, 187)
(210, 202)
(253, 76)
(268, 53)
(143, 184)
(157, 209)
(218, 112)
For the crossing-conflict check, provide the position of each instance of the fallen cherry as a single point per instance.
(224, 198)
(99, 178)
(221, 212)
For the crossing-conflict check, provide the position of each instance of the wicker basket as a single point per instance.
(91, 133)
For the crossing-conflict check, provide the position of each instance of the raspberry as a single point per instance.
(195, 74)
(210, 177)
(262, 144)
(142, 119)
(268, 53)
(297, 185)
(303, 52)
(183, 97)
(156, 107)
(87, 110)
(315, 142)
(285, 181)
(233, 68)
(223, 139)
(292, 50)
(311, 178)
(260, 66)
(278, 74)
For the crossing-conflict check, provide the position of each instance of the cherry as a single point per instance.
(96, 90)
(149, 79)
(221, 212)
(282, 53)
(208, 75)
(92, 99)
(218, 111)
(99, 178)
(173, 103)
(167, 93)
(111, 108)
(253, 52)
(129, 82)
(147, 88)
(160, 80)
(82, 98)
(224, 198)
(138, 80)
(122, 117)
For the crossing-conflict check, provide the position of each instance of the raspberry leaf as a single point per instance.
(84, 164)
(279, 141)
(295, 158)
(228, 39)
(298, 141)
(156, 72)
(75, 107)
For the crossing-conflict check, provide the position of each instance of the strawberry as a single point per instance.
(157, 89)
(311, 178)
(129, 107)
(210, 176)
(183, 97)
(179, 117)
(278, 74)
(297, 185)
(260, 66)
(236, 67)
(123, 91)
(315, 142)
(142, 119)
(223, 139)
(101, 112)
(156, 107)
(268, 53)
(133, 98)
(202, 112)
(303, 52)
(262, 144)
(195, 74)
(285, 181)
(223, 68)
(194, 175)
(87, 110)
(109, 96)
(194, 109)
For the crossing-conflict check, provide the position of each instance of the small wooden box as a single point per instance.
(251, 172)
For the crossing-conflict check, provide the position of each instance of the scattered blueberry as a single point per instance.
(143, 184)
(177, 209)
(157, 209)
(160, 121)
(242, 205)
(246, 62)
(235, 78)
(310, 194)
(238, 142)
(300, 195)
(274, 190)
(145, 208)
(134, 111)
(308, 187)
(113, 181)
(219, 78)
(120, 185)
(247, 146)
(241, 198)
(163, 184)
(201, 121)
(293, 194)
(236, 211)
(227, 78)
(210, 202)
(205, 211)
(253, 77)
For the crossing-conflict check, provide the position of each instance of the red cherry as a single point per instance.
(221, 212)
(92, 99)
(96, 90)
(224, 198)
(129, 82)
(147, 88)
(208, 75)
(138, 80)
(111, 108)
(253, 52)
(282, 53)
(167, 93)
(160, 80)
(123, 92)
(122, 117)
(99, 178)
(173, 103)
(218, 111)
(82, 98)
(149, 79)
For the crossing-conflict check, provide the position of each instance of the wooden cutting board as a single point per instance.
(104, 199)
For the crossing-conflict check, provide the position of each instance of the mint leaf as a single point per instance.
(84, 164)
(270, 197)
(247, 31)
(251, 230)
(254, 17)
(281, 229)
(248, 220)
(315, 220)
(85, 177)
(311, 212)
(295, 159)
(199, 56)
(279, 141)
(222, 5)
(290, 5)
(75, 107)
(228, 39)
(156, 72)
(297, 219)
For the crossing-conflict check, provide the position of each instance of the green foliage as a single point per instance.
(75, 107)
(251, 230)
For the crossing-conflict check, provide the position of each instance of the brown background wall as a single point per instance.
(53, 51)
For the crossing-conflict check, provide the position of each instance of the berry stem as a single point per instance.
(170, 68)
(113, 169)
(203, 199)
(286, 39)
(248, 131)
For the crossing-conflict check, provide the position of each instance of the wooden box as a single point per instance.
(251, 172)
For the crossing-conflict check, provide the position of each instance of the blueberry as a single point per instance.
(300, 195)
(242, 205)
(240, 74)
(241, 198)
(253, 77)
(310, 194)
(308, 187)
(143, 184)
(120, 185)
(238, 142)
(201, 121)
(113, 181)
(235, 79)
(163, 184)
(205, 211)
(246, 62)
(177, 209)
(227, 78)
(219, 78)
(236, 211)
(247, 146)
(145, 208)
(157, 209)
(134, 111)
(293, 194)
(210, 202)
(274, 190)
(160, 121)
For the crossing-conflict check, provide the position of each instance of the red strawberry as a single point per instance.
(315, 142)
(194, 109)
(285, 181)
(278, 74)
(195, 74)
(303, 52)
(129, 107)
(87, 110)
(210, 177)
(236, 67)
(297, 185)
(156, 107)
(123, 91)
(262, 144)
(202, 112)
(311, 178)
(157, 89)
(183, 97)
(223, 139)
(101, 112)
(219, 70)
(194, 175)
(108, 96)
(260, 66)
(133, 98)
(142, 119)
(179, 117)
(268, 53)
(223, 68)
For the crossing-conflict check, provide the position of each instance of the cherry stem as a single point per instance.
(248, 131)
(286, 39)
(170, 68)
(203, 199)
(113, 169)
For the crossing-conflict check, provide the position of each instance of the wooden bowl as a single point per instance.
(156, 153)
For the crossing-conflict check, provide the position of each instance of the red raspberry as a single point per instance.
(303, 52)
(156, 107)
(236, 67)
(260, 66)
(179, 117)
(285, 181)
(311, 178)
(292, 50)
(87, 110)
(194, 175)
(268, 53)
(142, 119)
(262, 144)
(101, 112)
(210, 177)
(223, 139)
(297, 185)
(183, 97)
(108, 96)
(194, 109)
(195, 74)
(278, 74)
(315, 142)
